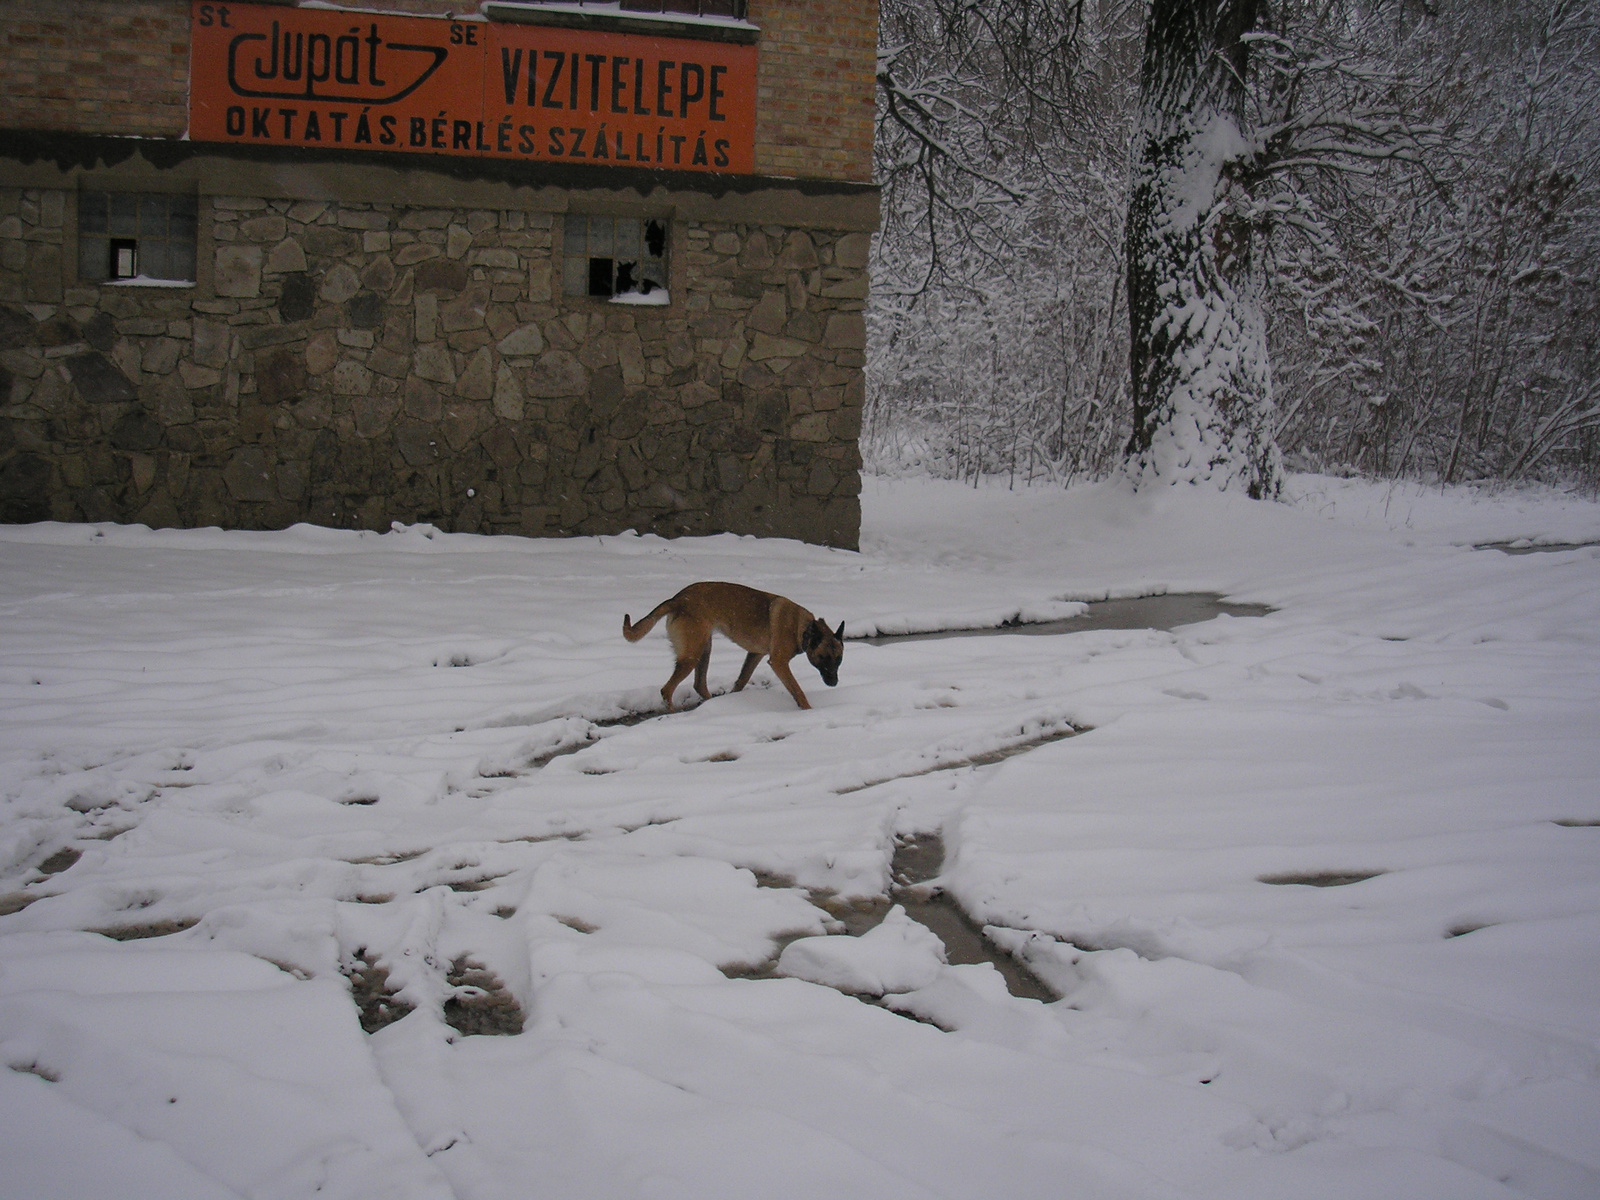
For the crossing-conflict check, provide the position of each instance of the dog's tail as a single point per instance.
(634, 632)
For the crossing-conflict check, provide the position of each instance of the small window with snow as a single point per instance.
(621, 259)
(133, 236)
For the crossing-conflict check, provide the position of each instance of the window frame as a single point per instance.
(621, 248)
(158, 232)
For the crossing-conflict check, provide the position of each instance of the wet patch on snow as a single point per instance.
(918, 860)
(1162, 612)
(147, 929)
(1529, 547)
(985, 759)
(479, 884)
(1321, 879)
(377, 1003)
(33, 1068)
(481, 1004)
(60, 861)
(386, 860)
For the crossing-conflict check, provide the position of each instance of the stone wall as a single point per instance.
(353, 364)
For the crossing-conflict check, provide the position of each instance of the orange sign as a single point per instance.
(427, 85)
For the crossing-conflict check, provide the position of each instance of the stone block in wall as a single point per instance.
(339, 284)
(555, 374)
(522, 342)
(374, 414)
(508, 397)
(477, 380)
(44, 273)
(350, 378)
(299, 296)
(238, 271)
(97, 380)
(249, 475)
(853, 250)
(287, 257)
(24, 489)
(846, 331)
(211, 342)
(466, 311)
(432, 362)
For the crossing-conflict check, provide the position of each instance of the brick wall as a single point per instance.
(121, 67)
(816, 93)
(95, 66)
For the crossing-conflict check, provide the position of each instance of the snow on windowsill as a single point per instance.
(657, 296)
(150, 281)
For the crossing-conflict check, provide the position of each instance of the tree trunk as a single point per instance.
(1202, 388)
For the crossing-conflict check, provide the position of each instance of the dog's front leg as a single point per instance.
(780, 668)
(750, 661)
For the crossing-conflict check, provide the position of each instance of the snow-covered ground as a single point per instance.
(322, 755)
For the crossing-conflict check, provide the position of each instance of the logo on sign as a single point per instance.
(320, 66)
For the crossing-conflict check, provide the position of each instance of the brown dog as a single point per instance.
(759, 622)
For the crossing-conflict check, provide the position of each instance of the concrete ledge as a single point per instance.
(30, 158)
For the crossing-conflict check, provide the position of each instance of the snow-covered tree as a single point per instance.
(1201, 385)
(1394, 204)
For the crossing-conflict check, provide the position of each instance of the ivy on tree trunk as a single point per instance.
(1202, 389)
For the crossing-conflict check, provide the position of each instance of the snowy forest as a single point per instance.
(1402, 198)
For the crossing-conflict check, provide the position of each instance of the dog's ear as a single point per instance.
(810, 639)
(839, 633)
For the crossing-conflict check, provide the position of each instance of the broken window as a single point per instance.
(619, 258)
(132, 235)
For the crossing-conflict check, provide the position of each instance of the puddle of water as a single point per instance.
(917, 860)
(1545, 548)
(60, 860)
(1321, 878)
(1141, 612)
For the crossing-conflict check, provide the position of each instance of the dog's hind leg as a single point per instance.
(679, 673)
(700, 669)
(691, 648)
(750, 661)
